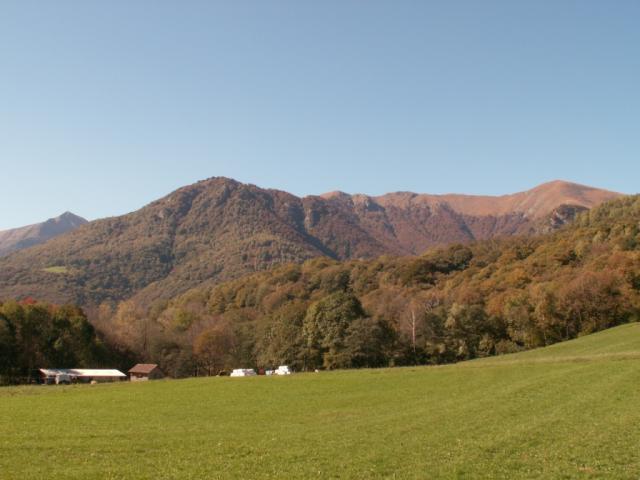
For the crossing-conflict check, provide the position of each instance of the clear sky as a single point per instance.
(108, 105)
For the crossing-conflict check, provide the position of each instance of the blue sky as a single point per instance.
(106, 106)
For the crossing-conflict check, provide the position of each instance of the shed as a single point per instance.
(145, 371)
(66, 375)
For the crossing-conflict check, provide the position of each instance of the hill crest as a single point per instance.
(23, 237)
(219, 229)
(536, 203)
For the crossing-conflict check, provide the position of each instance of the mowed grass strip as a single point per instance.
(539, 414)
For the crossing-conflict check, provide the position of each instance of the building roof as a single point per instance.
(144, 368)
(83, 372)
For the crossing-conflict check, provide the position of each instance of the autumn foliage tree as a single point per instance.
(214, 348)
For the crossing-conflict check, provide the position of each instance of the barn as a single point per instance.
(145, 371)
(80, 375)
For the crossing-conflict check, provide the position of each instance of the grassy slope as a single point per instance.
(568, 411)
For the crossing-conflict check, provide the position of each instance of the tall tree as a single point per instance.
(325, 326)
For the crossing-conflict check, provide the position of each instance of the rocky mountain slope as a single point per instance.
(219, 229)
(24, 237)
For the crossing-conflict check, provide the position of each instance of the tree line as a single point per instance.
(451, 304)
(35, 335)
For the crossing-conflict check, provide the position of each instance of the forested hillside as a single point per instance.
(450, 304)
(35, 335)
(219, 229)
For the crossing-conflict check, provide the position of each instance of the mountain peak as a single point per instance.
(70, 217)
(335, 195)
(565, 185)
(560, 181)
(62, 223)
(23, 237)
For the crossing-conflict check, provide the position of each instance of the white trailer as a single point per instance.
(243, 372)
(283, 370)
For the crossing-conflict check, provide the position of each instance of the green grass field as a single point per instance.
(568, 411)
(57, 270)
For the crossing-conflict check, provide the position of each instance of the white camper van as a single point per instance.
(283, 370)
(243, 372)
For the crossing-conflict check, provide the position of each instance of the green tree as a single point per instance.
(367, 343)
(282, 342)
(8, 350)
(325, 327)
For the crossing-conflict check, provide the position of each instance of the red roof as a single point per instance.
(144, 368)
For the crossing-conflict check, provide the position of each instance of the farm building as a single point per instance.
(145, 371)
(83, 375)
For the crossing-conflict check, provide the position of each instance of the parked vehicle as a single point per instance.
(243, 372)
(283, 370)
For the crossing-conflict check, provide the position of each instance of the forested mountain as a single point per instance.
(452, 303)
(220, 229)
(24, 237)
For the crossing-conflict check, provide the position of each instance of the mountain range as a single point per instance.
(24, 237)
(220, 229)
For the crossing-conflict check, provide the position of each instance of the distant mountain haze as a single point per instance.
(24, 237)
(219, 229)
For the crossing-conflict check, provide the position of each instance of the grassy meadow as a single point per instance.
(568, 411)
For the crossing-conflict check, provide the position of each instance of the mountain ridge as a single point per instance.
(219, 229)
(554, 193)
(15, 239)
